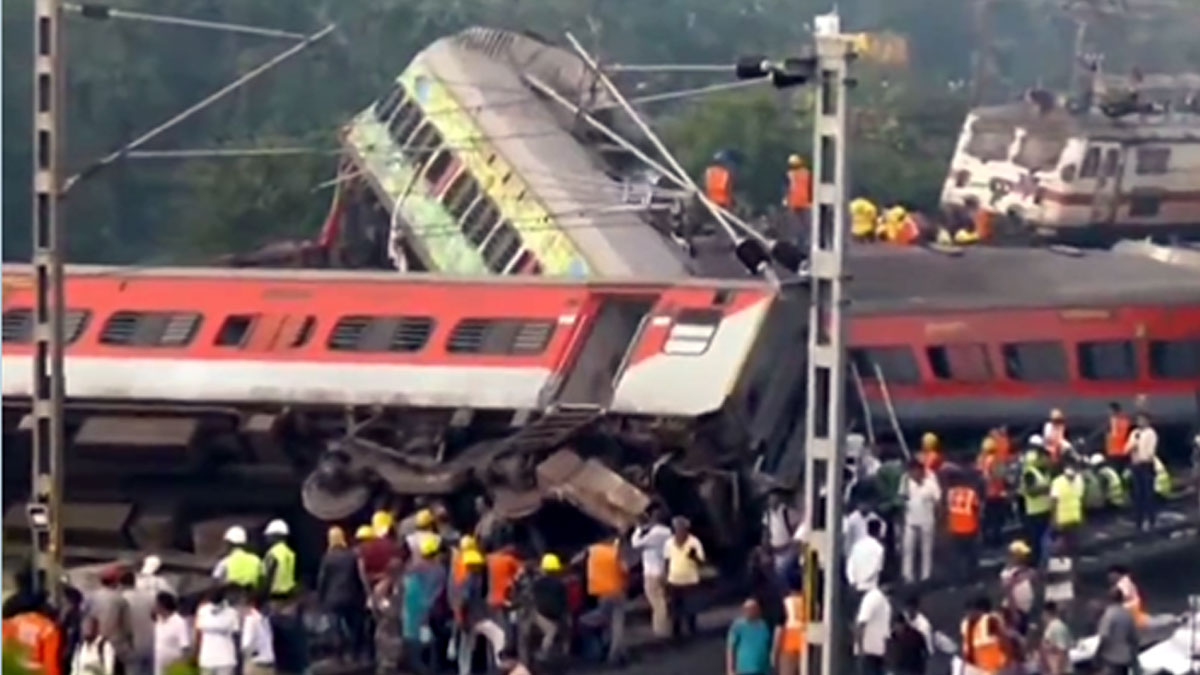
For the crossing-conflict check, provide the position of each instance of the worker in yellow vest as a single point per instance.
(607, 578)
(1066, 497)
(864, 216)
(789, 638)
(1035, 500)
(239, 567)
(279, 563)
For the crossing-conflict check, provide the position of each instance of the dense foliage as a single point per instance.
(127, 77)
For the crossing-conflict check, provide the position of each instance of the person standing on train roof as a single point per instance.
(1054, 435)
(718, 180)
(995, 489)
(922, 495)
(1142, 447)
(1116, 438)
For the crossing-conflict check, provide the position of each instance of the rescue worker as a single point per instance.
(1066, 496)
(718, 181)
(1002, 441)
(1117, 436)
(1017, 579)
(471, 613)
(962, 523)
(550, 606)
(607, 583)
(1094, 499)
(1120, 579)
(996, 506)
(789, 638)
(239, 568)
(279, 563)
(982, 222)
(1111, 483)
(798, 195)
(864, 217)
(424, 582)
(425, 530)
(503, 566)
(1035, 496)
(1162, 480)
(1143, 453)
(965, 237)
(458, 568)
(983, 640)
(1054, 436)
(898, 227)
(31, 630)
(930, 454)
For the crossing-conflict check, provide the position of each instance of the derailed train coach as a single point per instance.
(602, 395)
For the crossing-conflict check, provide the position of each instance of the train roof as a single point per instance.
(1061, 122)
(889, 279)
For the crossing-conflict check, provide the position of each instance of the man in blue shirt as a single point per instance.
(748, 650)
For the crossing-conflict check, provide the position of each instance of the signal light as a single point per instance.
(790, 72)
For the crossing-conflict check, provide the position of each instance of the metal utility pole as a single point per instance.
(45, 507)
(825, 426)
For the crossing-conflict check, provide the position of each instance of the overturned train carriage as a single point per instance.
(598, 394)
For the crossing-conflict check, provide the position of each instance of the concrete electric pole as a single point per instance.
(825, 433)
(45, 506)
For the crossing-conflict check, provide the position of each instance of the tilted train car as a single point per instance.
(1088, 176)
(469, 170)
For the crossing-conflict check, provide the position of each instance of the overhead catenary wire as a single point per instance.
(102, 12)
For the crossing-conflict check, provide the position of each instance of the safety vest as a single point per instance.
(1035, 504)
(1093, 491)
(458, 568)
(981, 647)
(1118, 435)
(284, 579)
(908, 232)
(36, 639)
(1069, 503)
(1133, 600)
(962, 505)
(991, 466)
(799, 194)
(718, 185)
(796, 622)
(1114, 486)
(863, 215)
(1162, 479)
(605, 576)
(243, 568)
(983, 224)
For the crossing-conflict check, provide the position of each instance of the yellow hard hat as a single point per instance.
(929, 440)
(430, 545)
(424, 518)
(551, 563)
(989, 444)
(472, 557)
(795, 161)
(381, 522)
(1019, 548)
(468, 543)
(364, 532)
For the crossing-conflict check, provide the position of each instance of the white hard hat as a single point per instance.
(1036, 441)
(276, 528)
(1096, 459)
(236, 535)
(151, 565)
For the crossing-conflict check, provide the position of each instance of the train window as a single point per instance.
(989, 141)
(1039, 152)
(460, 194)
(960, 363)
(1091, 163)
(1153, 161)
(234, 330)
(479, 220)
(18, 324)
(524, 337)
(405, 121)
(300, 334)
(386, 106)
(501, 246)
(897, 364)
(1144, 204)
(1175, 359)
(438, 166)
(380, 333)
(1041, 361)
(1106, 360)
(150, 329)
(519, 263)
(423, 146)
(1112, 159)
(692, 332)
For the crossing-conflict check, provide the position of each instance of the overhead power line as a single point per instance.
(99, 12)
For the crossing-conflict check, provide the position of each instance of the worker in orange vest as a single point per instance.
(996, 507)
(34, 634)
(1117, 438)
(1054, 436)
(718, 181)
(607, 579)
(1000, 437)
(930, 454)
(984, 641)
(962, 522)
(798, 195)
(789, 638)
(1120, 579)
(982, 222)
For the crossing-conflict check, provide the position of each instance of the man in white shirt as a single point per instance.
(216, 624)
(865, 562)
(258, 652)
(171, 635)
(649, 538)
(778, 521)
(872, 626)
(1143, 449)
(922, 495)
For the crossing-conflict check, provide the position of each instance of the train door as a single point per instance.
(1108, 183)
(612, 334)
